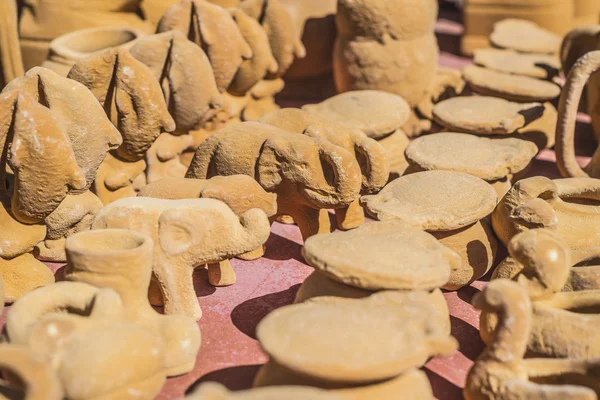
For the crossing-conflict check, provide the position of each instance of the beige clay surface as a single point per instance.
(534, 65)
(525, 37)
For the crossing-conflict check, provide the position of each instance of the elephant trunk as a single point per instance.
(374, 164)
(257, 225)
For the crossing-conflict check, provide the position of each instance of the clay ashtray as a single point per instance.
(485, 115)
(525, 37)
(488, 82)
(534, 65)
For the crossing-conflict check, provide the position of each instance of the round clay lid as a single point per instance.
(534, 65)
(511, 87)
(355, 341)
(485, 115)
(434, 200)
(485, 158)
(382, 255)
(524, 36)
(376, 113)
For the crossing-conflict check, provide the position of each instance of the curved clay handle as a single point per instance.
(567, 111)
(583, 188)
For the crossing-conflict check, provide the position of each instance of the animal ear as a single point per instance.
(331, 161)
(174, 234)
(269, 163)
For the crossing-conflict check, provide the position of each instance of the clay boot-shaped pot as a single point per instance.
(122, 260)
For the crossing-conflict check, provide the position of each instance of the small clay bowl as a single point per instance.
(540, 66)
(525, 37)
(496, 161)
(453, 207)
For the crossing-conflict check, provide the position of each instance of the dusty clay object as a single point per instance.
(336, 356)
(164, 158)
(525, 37)
(447, 83)
(369, 154)
(567, 206)
(122, 260)
(216, 391)
(501, 372)
(496, 161)
(307, 174)
(540, 66)
(11, 61)
(117, 179)
(179, 229)
(521, 89)
(213, 29)
(453, 207)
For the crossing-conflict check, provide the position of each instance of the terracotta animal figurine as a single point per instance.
(187, 234)
(91, 336)
(369, 154)
(336, 356)
(562, 205)
(563, 324)
(307, 174)
(501, 372)
(216, 391)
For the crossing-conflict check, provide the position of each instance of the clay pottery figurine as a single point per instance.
(542, 66)
(567, 206)
(355, 264)
(122, 260)
(369, 154)
(180, 230)
(66, 50)
(497, 161)
(216, 391)
(79, 331)
(307, 174)
(453, 207)
(564, 323)
(502, 373)
(38, 380)
(11, 61)
(524, 36)
(117, 179)
(378, 114)
(339, 355)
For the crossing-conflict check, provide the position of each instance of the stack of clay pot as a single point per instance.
(514, 84)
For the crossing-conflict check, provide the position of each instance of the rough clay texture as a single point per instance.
(524, 36)
(485, 115)
(485, 158)
(501, 372)
(521, 89)
(164, 158)
(186, 234)
(307, 174)
(540, 66)
(117, 179)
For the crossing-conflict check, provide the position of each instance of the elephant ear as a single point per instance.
(174, 234)
(269, 162)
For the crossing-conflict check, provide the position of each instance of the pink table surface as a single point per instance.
(230, 353)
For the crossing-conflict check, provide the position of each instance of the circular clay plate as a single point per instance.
(382, 255)
(524, 36)
(485, 115)
(485, 158)
(511, 87)
(434, 200)
(534, 65)
(355, 340)
(374, 112)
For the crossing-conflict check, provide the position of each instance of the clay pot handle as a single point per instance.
(567, 111)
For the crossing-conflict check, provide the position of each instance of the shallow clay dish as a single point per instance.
(534, 65)
(485, 115)
(488, 82)
(374, 112)
(525, 37)
(332, 338)
(434, 200)
(485, 158)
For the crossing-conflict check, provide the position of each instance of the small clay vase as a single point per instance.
(501, 372)
(432, 201)
(567, 206)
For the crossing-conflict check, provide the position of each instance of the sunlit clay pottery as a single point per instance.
(216, 391)
(378, 114)
(502, 373)
(378, 256)
(122, 260)
(80, 332)
(307, 174)
(117, 179)
(524, 36)
(542, 66)
(187, 234)
(453, 207)
(496, 161)
(340, 353)
(11, 61)
(567, 206)
(369, 154)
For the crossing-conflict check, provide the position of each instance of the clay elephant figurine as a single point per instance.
(187, 234)
(369, 154)
(307, 174)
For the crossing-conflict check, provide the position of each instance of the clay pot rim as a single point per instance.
(80, 243)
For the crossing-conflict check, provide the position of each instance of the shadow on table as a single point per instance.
(248, 314)
(280, 248)
(471, 345)
(442, 388)
(234, 378)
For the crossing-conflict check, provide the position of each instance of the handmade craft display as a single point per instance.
(453, 207)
